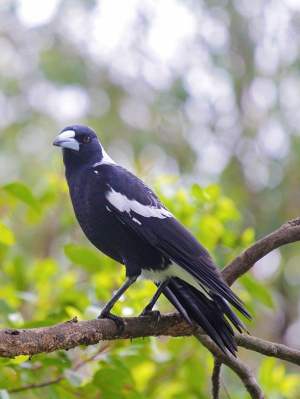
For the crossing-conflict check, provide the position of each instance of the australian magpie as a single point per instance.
(124, 219)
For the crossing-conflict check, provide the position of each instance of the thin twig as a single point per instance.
(286, 234)
(215, 378)
(35, 386)
(236, 365)
(62, 377)
(268, 348)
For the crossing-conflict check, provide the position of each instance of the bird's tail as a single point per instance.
(212, 313)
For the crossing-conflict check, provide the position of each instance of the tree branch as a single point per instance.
(73, 333)
(286, 234)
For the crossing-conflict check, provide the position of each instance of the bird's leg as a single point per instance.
(148, 309)
(105, 313)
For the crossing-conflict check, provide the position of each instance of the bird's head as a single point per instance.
(80, 144)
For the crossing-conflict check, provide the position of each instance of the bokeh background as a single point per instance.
(202, 100)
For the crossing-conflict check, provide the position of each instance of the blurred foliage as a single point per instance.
(50, 274)
(207, 90)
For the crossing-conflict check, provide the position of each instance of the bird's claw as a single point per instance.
(155, 314)
(119, 322)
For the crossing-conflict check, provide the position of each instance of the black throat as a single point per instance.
(76, 160)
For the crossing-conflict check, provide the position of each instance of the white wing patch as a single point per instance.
(137, 221)
(124, 204)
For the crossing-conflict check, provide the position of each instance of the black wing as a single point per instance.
(143, 213)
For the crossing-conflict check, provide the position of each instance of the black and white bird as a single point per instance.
(125, 220)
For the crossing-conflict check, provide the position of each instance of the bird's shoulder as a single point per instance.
(120, 180)
(136, 205)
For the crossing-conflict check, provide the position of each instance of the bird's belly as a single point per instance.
(111, 237)
(103, 234)
(168, 271)
(156, 275)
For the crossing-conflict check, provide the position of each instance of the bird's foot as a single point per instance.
(154, 314)
(119, 322)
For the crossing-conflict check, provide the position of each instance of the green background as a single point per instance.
(199, 98)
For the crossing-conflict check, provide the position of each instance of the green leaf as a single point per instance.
(87, 257)
(23, 193)
(265, 372)
(226, 210)
(275, 379)
(211, 230)
(19, 359)
(257, 290)
(197, 192)
(248, 236)
(212, 192)
(113, 378)
(5, 309)
(7, 237)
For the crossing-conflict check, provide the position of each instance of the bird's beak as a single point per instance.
(67, 139)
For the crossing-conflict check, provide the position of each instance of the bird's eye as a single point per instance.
(86, 139)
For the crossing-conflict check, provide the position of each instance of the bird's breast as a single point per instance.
(96, 221)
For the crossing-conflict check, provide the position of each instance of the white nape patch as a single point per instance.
(124, 204)
(108, 209)
(173, 270)
(137, 221)
(106, 159)
(67, 134)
